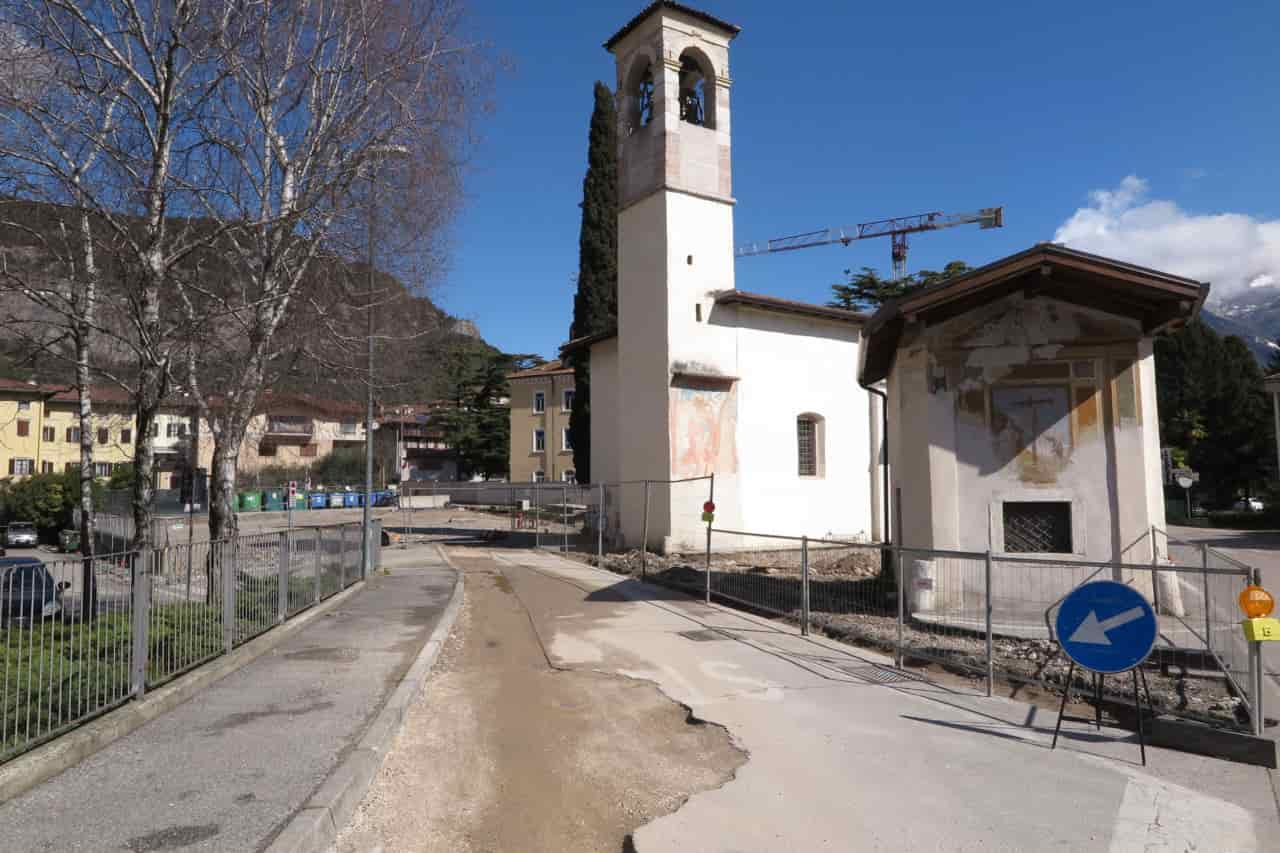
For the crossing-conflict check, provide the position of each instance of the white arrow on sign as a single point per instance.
(1093, 631)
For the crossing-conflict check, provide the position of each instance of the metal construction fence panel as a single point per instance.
(988, 615)
(582, 518)
(83, 636)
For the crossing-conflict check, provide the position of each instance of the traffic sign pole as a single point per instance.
(711, 500)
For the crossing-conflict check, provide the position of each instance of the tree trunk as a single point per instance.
(85, 314)
(144, 463)
(88, 585)
(223, 524)
(222, 492)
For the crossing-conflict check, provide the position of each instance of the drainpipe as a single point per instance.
(884, 440)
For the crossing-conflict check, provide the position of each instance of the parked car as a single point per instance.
(21, 534)
(28, 593)
(1249, 505)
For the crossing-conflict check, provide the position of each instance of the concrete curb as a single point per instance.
(315, 827)
(44, 762)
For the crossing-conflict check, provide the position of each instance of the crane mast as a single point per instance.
(896, 228)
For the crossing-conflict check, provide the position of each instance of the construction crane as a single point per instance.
(897, 229)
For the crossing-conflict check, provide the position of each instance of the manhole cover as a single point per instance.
(704, 636)
(877, 674)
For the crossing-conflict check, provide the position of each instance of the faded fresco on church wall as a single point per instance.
(703, 427)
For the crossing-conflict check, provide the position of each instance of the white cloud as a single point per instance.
(1233, 251)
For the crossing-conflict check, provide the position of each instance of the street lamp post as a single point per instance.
(377, 154)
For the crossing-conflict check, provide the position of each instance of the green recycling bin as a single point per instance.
(69, 541)
(250, 501)
(273, 500)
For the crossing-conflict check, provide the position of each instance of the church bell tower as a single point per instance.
(675, 240)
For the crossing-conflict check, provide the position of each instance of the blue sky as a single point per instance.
(1149, 133)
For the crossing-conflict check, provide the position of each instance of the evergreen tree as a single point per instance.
(866, 290)
(476, 425)
(1213, 410)
(595, 305)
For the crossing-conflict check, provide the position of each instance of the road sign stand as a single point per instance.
(1097, 706)
(1105, 628)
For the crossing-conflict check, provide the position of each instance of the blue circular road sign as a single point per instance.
(1106, 626)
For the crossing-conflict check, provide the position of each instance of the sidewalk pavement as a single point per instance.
(847, 754)
(228, 769)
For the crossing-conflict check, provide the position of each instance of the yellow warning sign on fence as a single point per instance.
(1261, 630)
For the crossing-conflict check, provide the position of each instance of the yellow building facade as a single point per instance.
(541, 399)
(40, 430)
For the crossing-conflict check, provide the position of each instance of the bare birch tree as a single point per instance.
(47, 133)
(315, 96)
(125, 82)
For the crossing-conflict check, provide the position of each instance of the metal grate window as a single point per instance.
(1037, 527)
(807, 444)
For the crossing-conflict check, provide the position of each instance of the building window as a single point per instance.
(308, 450)
(347, 428)
(570, 476)
(1037, 527)
(46, 467)
(809, 449)
(73, 435)
(267, 449)
(539, 402)
(102, 469)
(539, 441)
(24, 405)
(539, 476)
(24, 429)
(567, 404)
(171, 430)
(126, 436)
(565, 442)
(48, 434)
(104, 435)
(21, 467)
(71, 466)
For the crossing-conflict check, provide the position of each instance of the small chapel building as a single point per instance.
(1018, 401)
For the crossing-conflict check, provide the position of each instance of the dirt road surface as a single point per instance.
(504, 752)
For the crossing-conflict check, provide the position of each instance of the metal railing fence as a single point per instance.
(989, 615)
(569, 517)
(81, 637)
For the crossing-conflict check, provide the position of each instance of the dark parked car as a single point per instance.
(27, 591)
(21, 534)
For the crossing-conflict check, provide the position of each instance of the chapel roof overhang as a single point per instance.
(1159, 300)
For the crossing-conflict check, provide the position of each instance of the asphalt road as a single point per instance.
(226, 770)
(1259, 549)
(845, 753)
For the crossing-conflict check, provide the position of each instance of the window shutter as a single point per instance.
(10, 466)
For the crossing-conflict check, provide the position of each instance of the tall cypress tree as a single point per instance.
(595, 305)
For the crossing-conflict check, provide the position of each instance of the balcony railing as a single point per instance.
(289, 426)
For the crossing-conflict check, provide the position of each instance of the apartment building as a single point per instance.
(410, 445)
(40, 429)
(40, 432)
(292, 430)
(541, 399)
